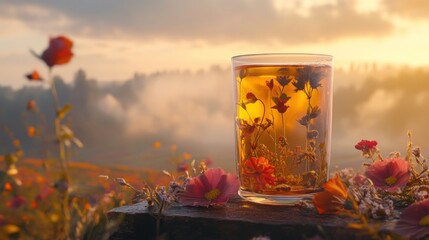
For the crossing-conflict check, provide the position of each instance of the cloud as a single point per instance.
(184, 106)
(209, 21)
(414, 9)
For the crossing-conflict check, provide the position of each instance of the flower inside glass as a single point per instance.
(283, 125)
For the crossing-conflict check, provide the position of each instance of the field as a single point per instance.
(31, 199)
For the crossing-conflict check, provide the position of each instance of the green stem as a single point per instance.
(65, 197)
(274, 129)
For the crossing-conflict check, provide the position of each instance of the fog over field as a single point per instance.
(120, 121)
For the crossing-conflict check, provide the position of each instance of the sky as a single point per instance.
(116, 39)
(174, 58)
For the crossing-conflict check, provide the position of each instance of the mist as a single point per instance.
(119, 121)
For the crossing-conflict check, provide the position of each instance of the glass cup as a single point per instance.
(283, 116)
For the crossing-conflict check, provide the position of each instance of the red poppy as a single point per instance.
(34, 76)
(59, 51)
(260, 169)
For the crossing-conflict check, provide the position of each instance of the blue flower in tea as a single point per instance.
(283, 80)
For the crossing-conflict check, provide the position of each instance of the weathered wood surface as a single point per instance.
(237, 220)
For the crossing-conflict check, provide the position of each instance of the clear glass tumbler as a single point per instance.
(283, 119)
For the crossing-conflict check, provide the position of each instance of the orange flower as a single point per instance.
(157, 145)
(187, 156)
(333, 199)
(34, 76)
(31, 131)
(31, 105)
(260, 169)
(59, 51)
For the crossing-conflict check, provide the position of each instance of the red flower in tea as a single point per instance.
(59, 51)
(270, 84)
(390, 174)
(213, 187)
(333, 199)
(34, 76)
(414, 221)
(246, 128)
(280, 103)
(260, 169)
(251, 98)
(366, 146)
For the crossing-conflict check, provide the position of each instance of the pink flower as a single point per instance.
(366, 145)
(414, 221)
(390, 174)
(213, 187)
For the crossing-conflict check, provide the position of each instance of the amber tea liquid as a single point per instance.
(283, 130)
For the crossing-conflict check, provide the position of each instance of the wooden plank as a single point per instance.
(237, 220)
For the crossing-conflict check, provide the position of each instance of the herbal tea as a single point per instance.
(283, 128)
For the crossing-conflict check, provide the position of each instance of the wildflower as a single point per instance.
(182, 167)
(281, 103)
(416, 152)
(34, 76)
(208, 162)
(251, 98)
(213, 187)
(157, 145)
(414, 221)
(187, 156)
(270, 84)
(59, 51)
(260, 169)
(390, 174)
(243, 73)
(366, 146)
(283, 80)
(16, 202)
(333, 199)
(307, 75)
(304, 120)
(31, 131)
(31, 105)
(246, 128)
